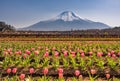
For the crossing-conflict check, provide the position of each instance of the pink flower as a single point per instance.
(11, 53)
(60, 70)
(5, 53)
(25, 55)
(36, 52)
(112, 52)
(92, 71)
(99, 54)
(46, 54)
(39, 48)
(20, 52)
(17, 53)
(109, 54)
(32, 49)
(113, 55)
(119, 54)
(9, 50)
(65, 53)
(90, 53)
(53, 49)
(45, 71)
(80, 76)
(77, 73)
(46, 49)
(27, 52)
(8, 70)
(107, 76)
(56, 54)
(31, 70)
(22, 76)
(14, 70)
(73, 54)
(82, 54)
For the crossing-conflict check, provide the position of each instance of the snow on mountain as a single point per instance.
(64, 22)
(67, 16)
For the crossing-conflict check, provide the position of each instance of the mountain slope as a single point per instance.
(66, 21)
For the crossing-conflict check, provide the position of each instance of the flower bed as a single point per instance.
(60, 59)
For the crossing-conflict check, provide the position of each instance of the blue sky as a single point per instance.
(22, 13)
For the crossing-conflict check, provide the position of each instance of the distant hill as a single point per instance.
(66, 21)
(5, 27)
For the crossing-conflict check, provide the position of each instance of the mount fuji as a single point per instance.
(64, 22)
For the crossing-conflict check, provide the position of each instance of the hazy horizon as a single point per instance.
(22, 13)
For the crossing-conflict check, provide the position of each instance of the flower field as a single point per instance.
(60, 61)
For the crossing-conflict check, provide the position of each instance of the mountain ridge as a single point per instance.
(67, 20)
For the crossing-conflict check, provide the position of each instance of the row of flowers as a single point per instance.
(45, 71)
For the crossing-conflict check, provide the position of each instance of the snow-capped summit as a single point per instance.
(67, 16)
(65, 22)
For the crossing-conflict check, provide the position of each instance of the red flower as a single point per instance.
(92, 71)
(31, 70)
(22, 76)
(8, 70)
(60, 70)
(45, 71)
(14, 70)
(107, 76)
(77, 73)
